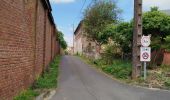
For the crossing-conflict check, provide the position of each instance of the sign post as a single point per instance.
(145, 52)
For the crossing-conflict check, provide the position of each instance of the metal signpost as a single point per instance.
(145, 52)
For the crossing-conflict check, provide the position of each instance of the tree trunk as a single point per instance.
(97, 53)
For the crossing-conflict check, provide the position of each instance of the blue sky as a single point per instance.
(67, 13)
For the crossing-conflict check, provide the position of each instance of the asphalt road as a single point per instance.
(78, 81)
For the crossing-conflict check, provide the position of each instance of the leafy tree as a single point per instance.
(167, 43)
(157, 24)
(123, 36)
(62, 42)
(97, 18)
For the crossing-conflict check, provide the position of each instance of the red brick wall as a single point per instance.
(24, 34)
(166, 59)
(48, 43)
(16, 49)
(40, 31)
(53, 43)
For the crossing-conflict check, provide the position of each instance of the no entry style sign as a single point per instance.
(145, 54)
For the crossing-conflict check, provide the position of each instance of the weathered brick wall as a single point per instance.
(53, 43)
(166, 60)
(48, 43)
(40, 31)
(25, 43)
(16, 49)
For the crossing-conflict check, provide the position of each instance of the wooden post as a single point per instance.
(137, 33)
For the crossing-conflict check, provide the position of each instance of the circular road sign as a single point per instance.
(145, 55)
(145, 41)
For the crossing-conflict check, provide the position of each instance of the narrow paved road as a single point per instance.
(78, 81)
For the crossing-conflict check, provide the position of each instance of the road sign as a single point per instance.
(145, 54)
(145, 41)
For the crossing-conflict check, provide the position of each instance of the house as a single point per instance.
(82, 45)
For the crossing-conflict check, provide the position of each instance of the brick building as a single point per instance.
(28, 43)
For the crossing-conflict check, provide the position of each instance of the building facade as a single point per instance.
(27, 43)
(82, 45)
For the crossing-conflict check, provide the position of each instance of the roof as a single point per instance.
(78, 27)
(47, 6)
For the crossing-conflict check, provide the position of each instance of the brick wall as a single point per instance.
(40, 31)
(25, 44)
(166, 60)
(48, 43)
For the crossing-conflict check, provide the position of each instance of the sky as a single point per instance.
(68, 13)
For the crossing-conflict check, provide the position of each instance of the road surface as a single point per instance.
(78, 81)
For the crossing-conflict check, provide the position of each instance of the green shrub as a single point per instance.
(119, 69)
(167, 83)
(27, 95)
(49, 80)
(110, 52)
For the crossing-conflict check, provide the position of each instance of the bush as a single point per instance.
(111, 52)
(27, 95)
(167, 83)
(119, 69)
(49, 80)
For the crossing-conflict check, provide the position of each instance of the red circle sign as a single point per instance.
(145, 55)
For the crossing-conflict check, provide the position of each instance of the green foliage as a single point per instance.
(166, 45)
(97, 18)
(119, 69)
(154, 8)
(167, 83)
(49, 80)
(27, 95)
(156, 23)
(62, 42)
(123, 36)
(111, 52)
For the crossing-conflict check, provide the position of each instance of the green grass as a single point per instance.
(47, 81)
(27, 95)
(119, 69)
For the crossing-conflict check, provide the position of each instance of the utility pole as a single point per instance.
(137, 33)
(73, 40)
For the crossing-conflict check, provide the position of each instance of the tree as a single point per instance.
(123, 36)
(157, 24)
(62, 42)
(97, 18)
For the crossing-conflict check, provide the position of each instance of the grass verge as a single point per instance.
(47, 81)
(119, 69)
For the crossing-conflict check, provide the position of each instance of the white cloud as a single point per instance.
(61, 1)
(162, 4)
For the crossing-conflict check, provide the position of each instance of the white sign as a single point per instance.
(145, 41)
(145, 54)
